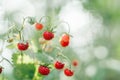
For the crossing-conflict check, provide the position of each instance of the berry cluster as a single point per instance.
(47, 35)
(59, 65)
(44, 70)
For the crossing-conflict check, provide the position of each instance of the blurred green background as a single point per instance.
(94, 24)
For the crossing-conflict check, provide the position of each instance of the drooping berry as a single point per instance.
(44, 70)
(65, 37)
(47, 35)
(39, 26)
(64, 44)
(23, 46)
(64, 40)
(68, 72)
(59, 65)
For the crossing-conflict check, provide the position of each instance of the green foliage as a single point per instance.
(107, 8)
(24, 71)
(14, 58)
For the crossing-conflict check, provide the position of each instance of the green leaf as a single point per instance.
(14, 58)
(24, 71)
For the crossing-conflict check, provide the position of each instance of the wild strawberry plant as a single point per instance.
(36, 61)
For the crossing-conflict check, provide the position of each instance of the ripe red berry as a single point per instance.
(65, 37)
(75, 63)
(64, 40)
(39, 26)
(64, 44)
(44, 70)
(48, 35)
(59, 65)
(1, 70)
(68, 72)
(23, 46)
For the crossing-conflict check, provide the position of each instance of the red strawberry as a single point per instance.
(39, 26)
(68, 72)
(1, 70)
(48, 35)
(44, 70)
(64, 44)
(23, 46)
(64, 40)
(58, 65)
(65, 37)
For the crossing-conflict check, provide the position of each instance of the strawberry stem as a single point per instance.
(23, 23)
(47, 17)
(2, 60)
(58, 48)
(10, 30)
(6, 60)
(49, 20)
(3, 57)
(20, 34)
(60, 54)
(21, 57)
(65, 23)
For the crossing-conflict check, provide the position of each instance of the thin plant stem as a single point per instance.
(23, 24)
(60, 54)
(65, 23)
(8, 61)
(47, 17)
(2, 60)
(21, 57)
(20, 34)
